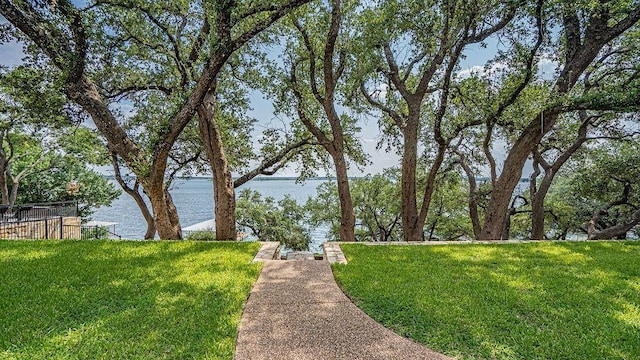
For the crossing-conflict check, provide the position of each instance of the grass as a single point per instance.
(557, 300)
(122, 300)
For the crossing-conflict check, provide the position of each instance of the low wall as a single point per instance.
(54, 228)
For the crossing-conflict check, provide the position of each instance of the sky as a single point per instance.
(11, 54)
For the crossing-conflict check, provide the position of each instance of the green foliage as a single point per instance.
(46, 152)
(563, 216)
(448, 217)
(204, 235)
(593, 181)
(123, 300)
(32, 98)
(269, 220)
(324, 209)
(67, 169)
(302, 71)
(510, 301)
(377, 207)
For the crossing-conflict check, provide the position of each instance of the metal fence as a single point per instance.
(47, 228)
(52, 228)
(47, 221)
(26, 212)
(97, 232)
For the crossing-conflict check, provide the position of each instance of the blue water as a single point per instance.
(194, 200)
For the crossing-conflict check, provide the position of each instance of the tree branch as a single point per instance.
(397, 118)
(312, 61)
(268, 163)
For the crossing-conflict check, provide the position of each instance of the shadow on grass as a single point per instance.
(148, 300)
(507, 301)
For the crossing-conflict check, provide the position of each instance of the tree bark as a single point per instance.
(4, 187)
(13, 195)
(4, 165)
(411, 231)
(150, 233)
(347, 216)
(165, 215)
(223, 191)
(616, 231)
(473, 194)
(537, 209)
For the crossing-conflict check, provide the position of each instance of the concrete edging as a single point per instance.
(270, 250)
(333, 253)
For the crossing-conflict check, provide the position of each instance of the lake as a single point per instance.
(194, 200)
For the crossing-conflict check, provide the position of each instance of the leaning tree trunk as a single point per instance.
(164, 213)
(150, 233)
(223, 190)
(538, 195)
(134, 192)
(617, 231)
(498, 207)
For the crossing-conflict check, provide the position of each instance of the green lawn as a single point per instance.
(122, 300)
(505, 301)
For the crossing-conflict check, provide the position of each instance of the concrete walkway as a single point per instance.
(296, 311)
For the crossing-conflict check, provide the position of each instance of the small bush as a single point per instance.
(202, 235)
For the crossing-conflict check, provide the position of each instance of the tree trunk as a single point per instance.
(14, 192)
(506, 232)
(498, 208)
(616, 231)
(150, 233)
(223, 191)
(347, 216)
(430, 188)
(473, 196)
(537, 205)
(550, 170)
(165, 215)
(4, 187)
(411, 231)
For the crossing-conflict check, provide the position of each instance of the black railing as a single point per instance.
(27, 212)
(52, 228)
(97, 232)
(47, 228)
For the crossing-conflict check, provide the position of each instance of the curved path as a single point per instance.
(296, 311)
